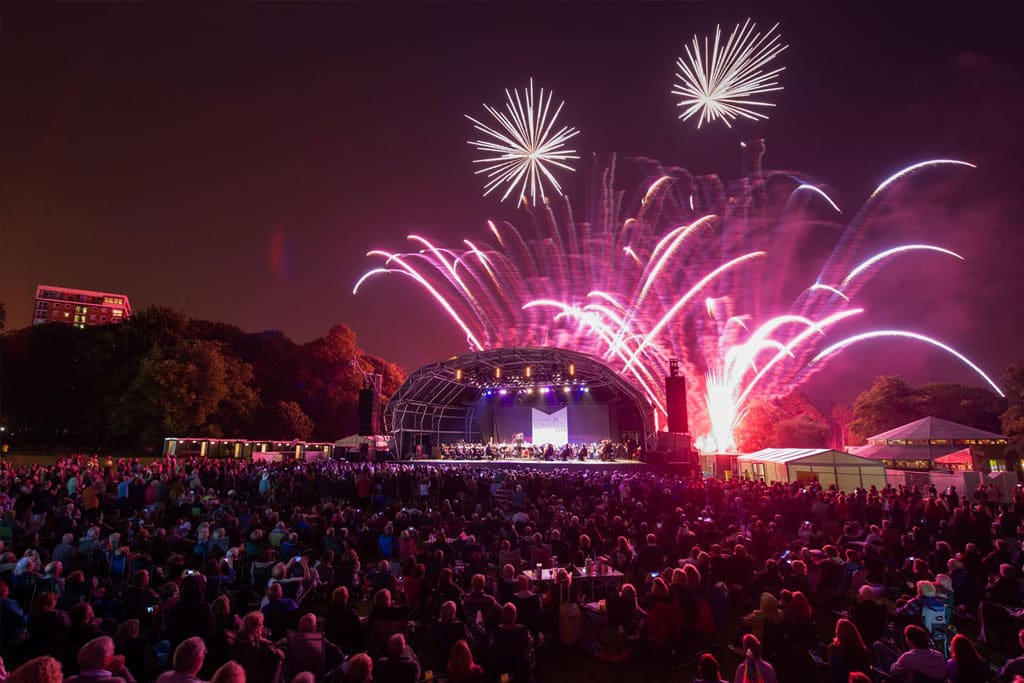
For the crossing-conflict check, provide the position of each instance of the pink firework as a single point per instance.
(684, 276)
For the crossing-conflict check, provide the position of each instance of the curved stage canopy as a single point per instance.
(484, 396)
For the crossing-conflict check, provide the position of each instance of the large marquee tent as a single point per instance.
(845, 471)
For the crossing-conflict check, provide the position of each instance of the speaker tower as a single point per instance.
(675, 399)
(368, 412)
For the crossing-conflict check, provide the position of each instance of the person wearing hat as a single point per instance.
(944, 589)
(925, 598)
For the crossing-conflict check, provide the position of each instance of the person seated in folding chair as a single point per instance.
(922, 663)
(936, 622)
(308, 650)
(399, 665)
(386, 619)
(511, 649)
(911, 611)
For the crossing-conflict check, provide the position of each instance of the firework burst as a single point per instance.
(719, 80)
(523, 147)
(684, 277)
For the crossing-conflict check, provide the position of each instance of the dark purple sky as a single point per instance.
(237, 162)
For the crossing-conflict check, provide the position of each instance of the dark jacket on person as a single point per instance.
(402, 669)
(190, 616)
(511, 651)
(260, 659)
(343, 628)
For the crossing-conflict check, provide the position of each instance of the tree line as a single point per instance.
(127, 386)
(794, 421)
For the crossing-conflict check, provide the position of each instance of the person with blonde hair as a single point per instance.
(925, 599)
(43, 669)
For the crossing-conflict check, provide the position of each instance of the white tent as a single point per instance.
(829, 467)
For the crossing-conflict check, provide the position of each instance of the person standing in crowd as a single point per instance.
(708, 670)
(847, 652)
(753, 668)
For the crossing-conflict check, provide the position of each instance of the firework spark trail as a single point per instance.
(611, 287)
(876, 334)
(841, 260)
(892, 252)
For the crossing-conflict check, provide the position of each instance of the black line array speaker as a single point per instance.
(368, 412)
(675, 402)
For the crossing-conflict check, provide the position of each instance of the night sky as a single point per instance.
(237, 162)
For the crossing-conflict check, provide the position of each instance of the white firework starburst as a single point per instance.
(523, 145)
(717, 82)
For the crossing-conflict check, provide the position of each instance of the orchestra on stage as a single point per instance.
(519, 449)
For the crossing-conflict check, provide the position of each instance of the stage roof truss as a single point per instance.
(431, 400)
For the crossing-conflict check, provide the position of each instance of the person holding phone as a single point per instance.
(139, 599)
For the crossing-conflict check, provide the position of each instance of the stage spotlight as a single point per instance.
(487, 394)
(529, 391)
(566, 389)
(586, 390)
(503, 392)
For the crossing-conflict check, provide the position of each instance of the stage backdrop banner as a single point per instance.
(553, 428)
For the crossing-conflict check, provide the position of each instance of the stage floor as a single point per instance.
(531, 463)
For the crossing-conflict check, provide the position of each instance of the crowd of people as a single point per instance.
(222, 570)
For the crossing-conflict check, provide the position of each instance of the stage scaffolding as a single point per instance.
(439, 403)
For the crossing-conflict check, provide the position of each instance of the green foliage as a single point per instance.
(161, 374)
(974, 406)
(888, 403)
(1012, 420)
(802, 432)
(790, 422)
(756, 429)
(891, 402)
(286, 420)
